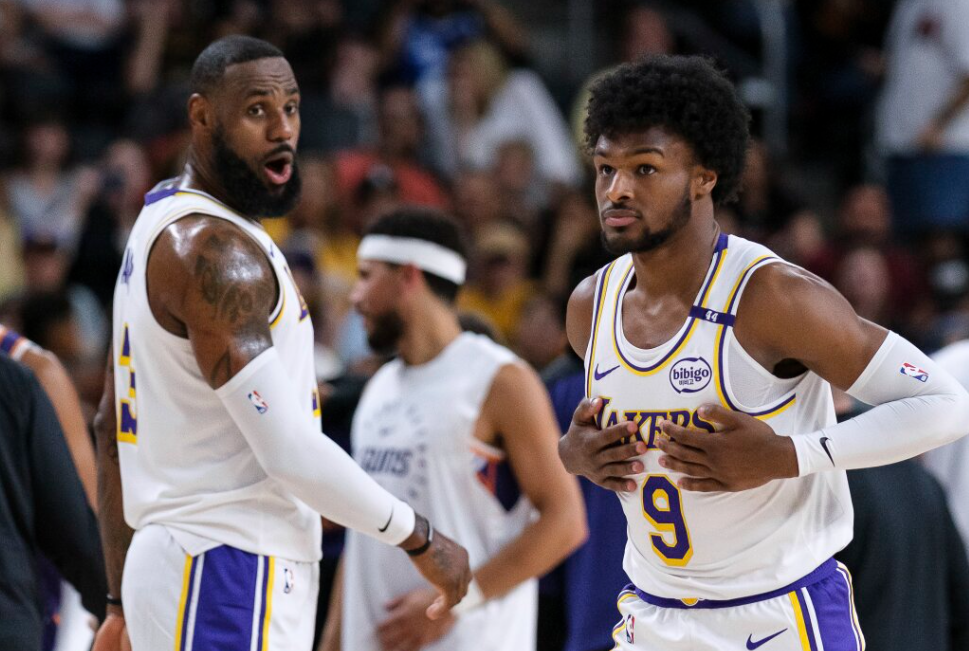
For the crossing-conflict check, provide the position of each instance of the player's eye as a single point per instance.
(292, 109)
(645, 169)
(605, 170)
(255, 110)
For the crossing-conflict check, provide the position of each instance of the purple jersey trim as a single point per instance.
(714, 267)
(823, 571)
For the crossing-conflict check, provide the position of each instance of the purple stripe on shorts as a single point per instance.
(831, 599)
(227, 591)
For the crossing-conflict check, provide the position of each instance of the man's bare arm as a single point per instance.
(210, 282)
(790, 319)
(578, 316)
(788, 315)
(115, 532)
(519, 411)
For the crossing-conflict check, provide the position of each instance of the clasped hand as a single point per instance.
(743, 453)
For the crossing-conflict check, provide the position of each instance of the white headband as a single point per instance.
(427, 256)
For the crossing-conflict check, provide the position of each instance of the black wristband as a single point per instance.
(112, 600)
(427, 543)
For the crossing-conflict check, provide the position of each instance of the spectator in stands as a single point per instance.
(42, 509)
(419, 37)
(476, 200)
(766, 203)
(540, 336)
(401, 134)
(45, 196)
(486, 105)
(499, 286)
(644, 30)
(123, 179)
(923, 117)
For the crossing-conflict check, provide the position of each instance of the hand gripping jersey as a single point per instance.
(690, 545)
(184, 463)
(414, 433)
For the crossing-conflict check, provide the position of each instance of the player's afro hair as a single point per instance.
(209, 67)
(685, 95)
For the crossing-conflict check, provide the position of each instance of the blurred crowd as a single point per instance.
(457, 104)
(441, 103)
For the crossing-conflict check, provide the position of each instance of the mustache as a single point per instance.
(610, 207)
(284, 148)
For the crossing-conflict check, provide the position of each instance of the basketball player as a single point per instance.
(60, 390)
(711, 358)
(223, 467)
(456, 424)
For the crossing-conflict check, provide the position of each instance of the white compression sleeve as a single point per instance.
(918, 407)
(292, 450)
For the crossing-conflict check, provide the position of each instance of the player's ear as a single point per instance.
(704, 180)
(199, 112)
(411, 275)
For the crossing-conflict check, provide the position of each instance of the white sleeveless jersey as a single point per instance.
(414, 433)
(184, 463)
(691, 545)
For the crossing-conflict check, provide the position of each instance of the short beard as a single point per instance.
(649, 241)
(388, 328)
(245, 190)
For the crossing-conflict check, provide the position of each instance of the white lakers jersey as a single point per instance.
(691, 545)
(414, 433)
(184, 463)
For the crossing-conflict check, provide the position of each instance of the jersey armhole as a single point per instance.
(728, 337)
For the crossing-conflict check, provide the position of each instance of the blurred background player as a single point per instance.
(461, 428)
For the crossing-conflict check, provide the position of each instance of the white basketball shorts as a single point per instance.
(815, 613)
(223, 599)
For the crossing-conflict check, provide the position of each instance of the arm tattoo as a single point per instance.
(235, 289)
(231, 301)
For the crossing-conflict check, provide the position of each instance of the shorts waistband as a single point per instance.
(822, 572)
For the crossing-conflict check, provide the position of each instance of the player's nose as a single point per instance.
(620, 188)
(282, 128)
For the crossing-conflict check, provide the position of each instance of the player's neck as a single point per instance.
(201, 176)
(429, 331)
(677, 268)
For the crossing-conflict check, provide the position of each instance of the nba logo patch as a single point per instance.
(258, 402)
(914, 372)
(289, 580)
(630, 633)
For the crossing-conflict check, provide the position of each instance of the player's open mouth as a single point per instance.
(279, 168)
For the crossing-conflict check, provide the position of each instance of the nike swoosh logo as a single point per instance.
(824, 444)
(599, 375)
(753, 645)
(384, 528)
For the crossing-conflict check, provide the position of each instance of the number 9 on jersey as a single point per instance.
(663, 507)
